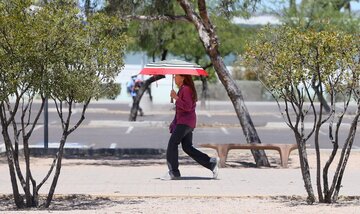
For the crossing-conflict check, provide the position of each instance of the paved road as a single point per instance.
(106, 126)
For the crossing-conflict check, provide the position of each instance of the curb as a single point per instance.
(99, 153)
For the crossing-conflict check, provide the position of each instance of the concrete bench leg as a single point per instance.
(222, 151)
(285, 151)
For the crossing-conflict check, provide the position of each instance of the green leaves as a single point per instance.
(288, 56)
(55, 52)
(327, 15)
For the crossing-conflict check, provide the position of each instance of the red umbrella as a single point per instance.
(173, 67)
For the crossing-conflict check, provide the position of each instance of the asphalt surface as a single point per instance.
(106, 125)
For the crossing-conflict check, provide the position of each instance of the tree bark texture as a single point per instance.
(65, 133)
(209, 39)
(57, 170)
(318, 155)
(344, 157)
(204, 92)
(318, 123)
(305, 169)
(19, 201)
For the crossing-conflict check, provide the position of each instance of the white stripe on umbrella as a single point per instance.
(173, 67)
(189, 66)
(173, 63)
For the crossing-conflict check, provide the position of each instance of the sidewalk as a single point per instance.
(140, 177)
(133, 186)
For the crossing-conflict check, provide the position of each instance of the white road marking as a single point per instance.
(223, 129)
(277, 116)
(72, 145)
(121, 123)
(40, 126)
(129, 129)
(113, 146)
(74, 110)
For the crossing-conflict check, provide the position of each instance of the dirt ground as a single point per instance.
(103, 204)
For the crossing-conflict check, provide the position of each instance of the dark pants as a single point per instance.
(183, 134)
(139, 109)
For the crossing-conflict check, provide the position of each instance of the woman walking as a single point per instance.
(181, 130)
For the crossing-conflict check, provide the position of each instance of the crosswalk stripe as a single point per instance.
(129, 129)
(223, 129)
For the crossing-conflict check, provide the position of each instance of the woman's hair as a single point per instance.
(189, 82)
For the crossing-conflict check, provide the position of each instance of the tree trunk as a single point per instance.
(318, 157)
(344, 157)
(208, 37)
(136, 102)
(204, 92)
(241, 111)
(305, 169)
(143, 88)
(31, 199)
(318, 124)
(57, 170)
(19, 201)
(65, 133)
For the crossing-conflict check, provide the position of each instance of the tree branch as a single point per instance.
(156, 18)
(48, 174)
(81, 118)
(197, 21)
(203, 13)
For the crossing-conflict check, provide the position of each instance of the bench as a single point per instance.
(223, 150)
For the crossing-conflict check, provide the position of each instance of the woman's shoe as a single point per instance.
(215, 169)
(169, 176)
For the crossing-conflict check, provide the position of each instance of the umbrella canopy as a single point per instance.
(173, 67)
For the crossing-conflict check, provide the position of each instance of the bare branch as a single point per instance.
(81, 118)
(59, 111)
(345, 155)
(288, 115)
(16, 156)
(48, 174)
(312, 106)
(36, 117)
(156, 18)
(203, 14)
(17, 101)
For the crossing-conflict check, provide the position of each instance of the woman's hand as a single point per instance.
(173, 95)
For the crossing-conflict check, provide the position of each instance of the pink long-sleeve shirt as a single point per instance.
(185, 108)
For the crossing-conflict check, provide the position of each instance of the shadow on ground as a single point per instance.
(70, 202)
